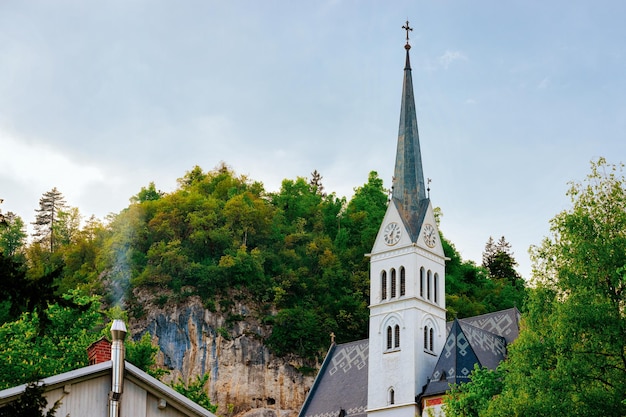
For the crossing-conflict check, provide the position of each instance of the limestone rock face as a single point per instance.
(245, 378)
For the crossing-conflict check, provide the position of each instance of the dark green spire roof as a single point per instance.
(409, 193)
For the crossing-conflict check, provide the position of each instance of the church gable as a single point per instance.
(474, 340)
(488, 347)
(455, 363)
(429, 237)
(420, 228)
(392, 233)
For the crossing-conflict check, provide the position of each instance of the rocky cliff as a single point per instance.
(245, 378)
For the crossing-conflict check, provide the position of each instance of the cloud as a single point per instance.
(28, 169)
(40, 164)
(449, 57)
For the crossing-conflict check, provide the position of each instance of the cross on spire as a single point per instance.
(407, 28)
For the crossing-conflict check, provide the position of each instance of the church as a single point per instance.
(413, 355)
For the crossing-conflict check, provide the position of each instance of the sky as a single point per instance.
(514, 99)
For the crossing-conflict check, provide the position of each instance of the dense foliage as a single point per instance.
(196, 391)
(473, 399)
(570, 357)
(49, 341)
(298, 252)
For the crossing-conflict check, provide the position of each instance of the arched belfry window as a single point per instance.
(392, 342)
(396, 342)
(422, 282)
(428, 284)
(392, 395)
(436, 288)
(393, 283)
(402, 281)
(429, 339)
(383, 285)
(431, 345)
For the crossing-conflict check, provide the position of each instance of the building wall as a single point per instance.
(85, 398)
(404, 369)
(90, 398)
(433, 407)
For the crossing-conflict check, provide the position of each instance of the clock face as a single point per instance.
(430, 235)
(392, 233)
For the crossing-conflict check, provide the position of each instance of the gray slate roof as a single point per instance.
(478, 340)
(341, 383)
(409, 193)
(503, 323)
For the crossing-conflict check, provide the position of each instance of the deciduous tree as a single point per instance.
(27, 353)
(570, 358)
(12, 235)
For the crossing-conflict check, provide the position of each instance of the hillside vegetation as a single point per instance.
(298, 253)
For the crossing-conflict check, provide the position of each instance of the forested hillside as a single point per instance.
(297, 253)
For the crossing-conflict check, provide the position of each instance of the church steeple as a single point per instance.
(407, 280)
(409, 194)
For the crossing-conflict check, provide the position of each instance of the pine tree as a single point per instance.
(316, 182)
(508, 284)
(489, 253)
(50, 205)
(498, 259)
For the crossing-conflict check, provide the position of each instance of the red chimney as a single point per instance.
(99, 351)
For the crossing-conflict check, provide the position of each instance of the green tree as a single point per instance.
(472, 399)
(196, 391)
(249, 217)
(142, 354)
(22, 293)
(296, 330)
(359, 224)
(13, 235)
(498, 259)
(50, 204)
(81, 258)
(67, 226)
(509, 288)
(28, 353)
(362, 218)
(570, 358)
(316, 182)
(299, 203)
(12, 279)
(147, 194)
(31, 403)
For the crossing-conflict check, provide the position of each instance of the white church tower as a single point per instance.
(407, 280)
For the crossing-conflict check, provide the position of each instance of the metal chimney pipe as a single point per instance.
(118, 333)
